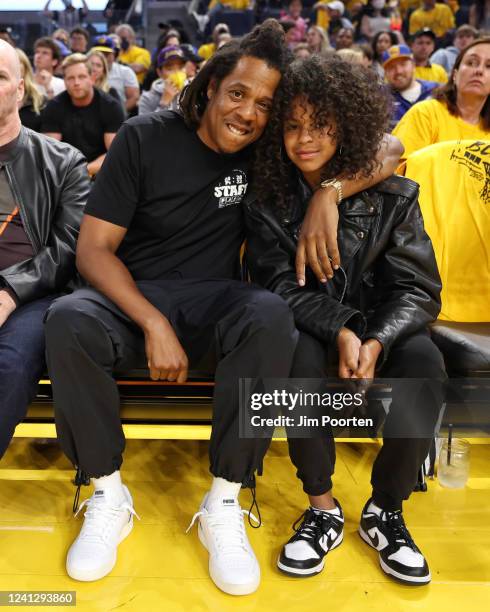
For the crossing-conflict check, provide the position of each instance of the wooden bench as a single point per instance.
(149, 410)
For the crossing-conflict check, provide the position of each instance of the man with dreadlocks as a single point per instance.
(160, 250)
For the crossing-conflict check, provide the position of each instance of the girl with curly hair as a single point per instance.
(327, 121)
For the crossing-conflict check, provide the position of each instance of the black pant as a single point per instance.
(231, 328)
(396, 467)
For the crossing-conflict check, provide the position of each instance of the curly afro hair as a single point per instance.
(344, 96)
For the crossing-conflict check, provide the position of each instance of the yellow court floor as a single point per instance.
(161, 568)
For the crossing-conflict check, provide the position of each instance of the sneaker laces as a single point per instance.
(99, 517)
(227, 527)
(81, 478)
(396, 525)
(256, 504)
(313, 524)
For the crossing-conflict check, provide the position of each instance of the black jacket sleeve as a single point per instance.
(270, 258)
(407, 280)
(53, 266)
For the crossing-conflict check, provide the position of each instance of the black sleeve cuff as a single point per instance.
(10, 291)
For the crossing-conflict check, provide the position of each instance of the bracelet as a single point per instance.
(337, 185)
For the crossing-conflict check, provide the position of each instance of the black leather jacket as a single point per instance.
(50, 184)
(388, 286)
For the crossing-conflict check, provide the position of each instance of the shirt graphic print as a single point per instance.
(232, 189)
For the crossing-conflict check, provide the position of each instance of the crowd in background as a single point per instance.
(80, 88)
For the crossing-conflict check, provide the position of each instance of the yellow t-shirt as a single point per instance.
(406, 5)
(429, 122)
(136, 55)
(434, 72)
(440, 19)
(207, 51)
(455, 203)
(238, 5)
(322, 17)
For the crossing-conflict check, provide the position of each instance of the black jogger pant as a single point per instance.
(397, 464)
(229, 328)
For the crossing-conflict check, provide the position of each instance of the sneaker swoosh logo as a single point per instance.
(326, 541)
(374, 539)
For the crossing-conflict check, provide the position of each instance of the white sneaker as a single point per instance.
(233, 565)
(93, 554)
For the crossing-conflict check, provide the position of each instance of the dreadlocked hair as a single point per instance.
(266, 42)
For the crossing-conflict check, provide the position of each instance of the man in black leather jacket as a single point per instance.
(372, 317)
(43, 188)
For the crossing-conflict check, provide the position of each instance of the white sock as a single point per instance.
(374, 508)
(111, 486)
(223, 490)
(335, 510)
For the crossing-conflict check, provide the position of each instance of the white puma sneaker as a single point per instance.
(233, 566)
(94, 552)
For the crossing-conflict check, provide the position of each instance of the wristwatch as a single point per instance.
(337, 185)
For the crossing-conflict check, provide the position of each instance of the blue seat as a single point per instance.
(239, 22)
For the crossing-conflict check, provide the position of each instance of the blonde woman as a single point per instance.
(99, 72)
(317, 40)
(33, 102)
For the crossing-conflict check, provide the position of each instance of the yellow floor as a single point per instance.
(161, 568)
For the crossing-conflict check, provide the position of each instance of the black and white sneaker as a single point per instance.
(320, 531)
(399, 556)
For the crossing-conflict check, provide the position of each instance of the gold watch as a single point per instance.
(337, 185)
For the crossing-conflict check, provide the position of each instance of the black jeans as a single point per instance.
(21, 364)
(227, 327)
(396, 467)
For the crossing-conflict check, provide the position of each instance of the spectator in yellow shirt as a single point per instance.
(135, 57)
(208, 50)
(406, 5)
(322, 17)
(438, 17)
(423, 44)
(237, 5)
(215, 7)
(461, 109)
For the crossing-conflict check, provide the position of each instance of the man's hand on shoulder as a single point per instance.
(166, 357)
(317, 245)
(7, 306)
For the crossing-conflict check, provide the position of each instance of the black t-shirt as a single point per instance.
(179, 200)
(30, 119)
(84, 126)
